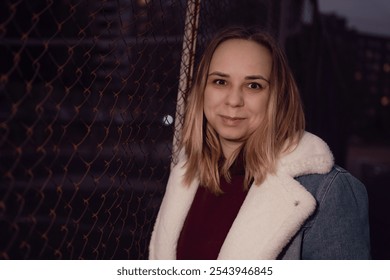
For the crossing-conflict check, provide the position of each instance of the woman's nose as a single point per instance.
(235, 97)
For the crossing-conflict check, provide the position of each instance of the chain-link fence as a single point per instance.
(88, 91)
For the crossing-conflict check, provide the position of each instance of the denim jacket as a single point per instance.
(339, 227)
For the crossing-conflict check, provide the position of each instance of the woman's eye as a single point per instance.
(255, 86)
(220, 82)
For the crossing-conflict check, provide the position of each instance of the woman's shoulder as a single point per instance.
(336, 182)
(339, 228)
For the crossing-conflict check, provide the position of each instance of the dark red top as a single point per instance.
(210, 218)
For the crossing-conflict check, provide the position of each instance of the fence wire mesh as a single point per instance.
(88, 90)
(88, 96)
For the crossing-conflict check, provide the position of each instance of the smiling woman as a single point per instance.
(250, 182)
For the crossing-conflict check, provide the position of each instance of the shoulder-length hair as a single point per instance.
(280, 130)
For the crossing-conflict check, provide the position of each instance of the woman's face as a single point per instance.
(237, 91)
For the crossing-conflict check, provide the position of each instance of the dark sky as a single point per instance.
(368, 16)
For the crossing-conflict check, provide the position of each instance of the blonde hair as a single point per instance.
(280, 130)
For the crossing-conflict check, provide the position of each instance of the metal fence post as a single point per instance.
(186, 70)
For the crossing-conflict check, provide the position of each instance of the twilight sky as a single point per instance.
(368, 16)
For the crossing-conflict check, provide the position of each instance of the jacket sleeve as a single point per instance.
(339, 229)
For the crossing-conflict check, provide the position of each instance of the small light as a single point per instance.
(386, 67)
(358, 76)
(167, 120)
(385, 101)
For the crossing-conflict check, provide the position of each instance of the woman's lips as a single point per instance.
(231, 121)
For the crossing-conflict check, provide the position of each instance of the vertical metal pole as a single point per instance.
(186, 70)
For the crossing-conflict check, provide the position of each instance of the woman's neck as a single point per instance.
(230, 147)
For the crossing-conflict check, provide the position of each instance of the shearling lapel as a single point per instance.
(173, 211)
(270, 215)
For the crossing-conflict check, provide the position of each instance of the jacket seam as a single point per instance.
(327, 185)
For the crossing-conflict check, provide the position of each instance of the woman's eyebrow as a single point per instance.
(256, 77)
(220, 74)
(250, 77)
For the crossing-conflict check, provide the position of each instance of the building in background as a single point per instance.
(344, 78)
(372, 83)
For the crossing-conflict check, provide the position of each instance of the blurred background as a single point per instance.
(91, 102)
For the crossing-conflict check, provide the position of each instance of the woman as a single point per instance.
(251, 183)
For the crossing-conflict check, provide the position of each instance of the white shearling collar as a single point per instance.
(312, 155)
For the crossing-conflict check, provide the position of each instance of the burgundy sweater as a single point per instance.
(210, 218)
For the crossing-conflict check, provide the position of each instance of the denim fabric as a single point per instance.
(339, 228)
